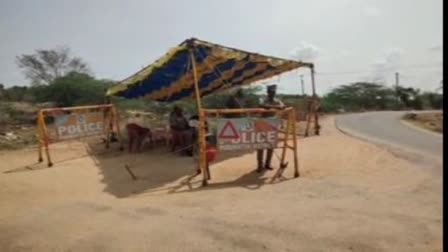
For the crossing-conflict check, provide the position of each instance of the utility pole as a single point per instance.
(397, 82)
(397, 79)
(302, 84)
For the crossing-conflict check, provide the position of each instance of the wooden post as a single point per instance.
(316, 117)
(308, 116)
(290, 131)
(40, 136)
(44, 138)
(313, 86)
(201, 125)
(314, 103)
(287, 132)
(294, 143)
(109, 127)
(116, 119)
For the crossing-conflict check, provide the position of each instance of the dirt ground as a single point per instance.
(430, 120)
(351, 196)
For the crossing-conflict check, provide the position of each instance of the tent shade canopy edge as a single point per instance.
(170, 78)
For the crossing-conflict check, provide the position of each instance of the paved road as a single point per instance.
(386, 128)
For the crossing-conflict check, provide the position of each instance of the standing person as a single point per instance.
(181, 131)
(269, 103)
(236, 101)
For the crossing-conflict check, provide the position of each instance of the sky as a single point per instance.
(347, 40)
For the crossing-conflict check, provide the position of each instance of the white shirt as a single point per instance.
(137, 120)
(194, 123)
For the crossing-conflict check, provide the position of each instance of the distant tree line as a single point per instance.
(363, 96)
(58, 77)
(69, 90)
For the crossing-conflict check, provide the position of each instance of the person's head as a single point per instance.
(271, 90)
(177, 110)
(239, 92)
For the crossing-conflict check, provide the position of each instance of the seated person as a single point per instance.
(181, 131)
(136, 132)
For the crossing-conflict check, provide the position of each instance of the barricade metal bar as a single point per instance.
(42, 134)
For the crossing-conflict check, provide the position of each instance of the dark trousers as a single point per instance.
(136, 134)
(260, 155)
(182, 139)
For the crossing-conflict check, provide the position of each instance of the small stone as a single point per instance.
(11, 136)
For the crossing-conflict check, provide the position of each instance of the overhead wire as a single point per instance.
(416, 66)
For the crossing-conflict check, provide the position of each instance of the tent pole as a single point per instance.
(201, 127)
(292, 118)
(314, 103)
(41, 118)
(313, 86)
(109, 126)
(116, 119)
(40, 136)
(285, 144)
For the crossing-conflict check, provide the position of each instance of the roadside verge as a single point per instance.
(397, 150)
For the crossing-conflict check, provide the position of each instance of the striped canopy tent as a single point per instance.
(218, 68)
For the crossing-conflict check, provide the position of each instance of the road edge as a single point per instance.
(399, 151)
(412, 126)
(362, 137)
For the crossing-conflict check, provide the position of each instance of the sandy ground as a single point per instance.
(351, 196)
(432, 121)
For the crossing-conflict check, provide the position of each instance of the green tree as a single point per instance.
(432, 100)
(2, 91)
(359, 96)
(72, 89)
(410, 97)
(15, 93)
(45, 66)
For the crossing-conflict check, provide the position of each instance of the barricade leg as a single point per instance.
(116, 119)
(294, 145)
(39, 139)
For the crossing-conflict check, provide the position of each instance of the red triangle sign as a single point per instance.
(229, 131)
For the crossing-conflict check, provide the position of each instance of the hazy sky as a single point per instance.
(348, 40)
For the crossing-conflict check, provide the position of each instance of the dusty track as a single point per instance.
(352, 196)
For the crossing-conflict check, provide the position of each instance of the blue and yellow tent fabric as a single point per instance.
(218, 68)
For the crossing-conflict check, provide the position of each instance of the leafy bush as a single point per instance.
(71, 90)
(371, 96)
(329, 105)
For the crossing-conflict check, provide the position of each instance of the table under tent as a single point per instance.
(197, 68)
